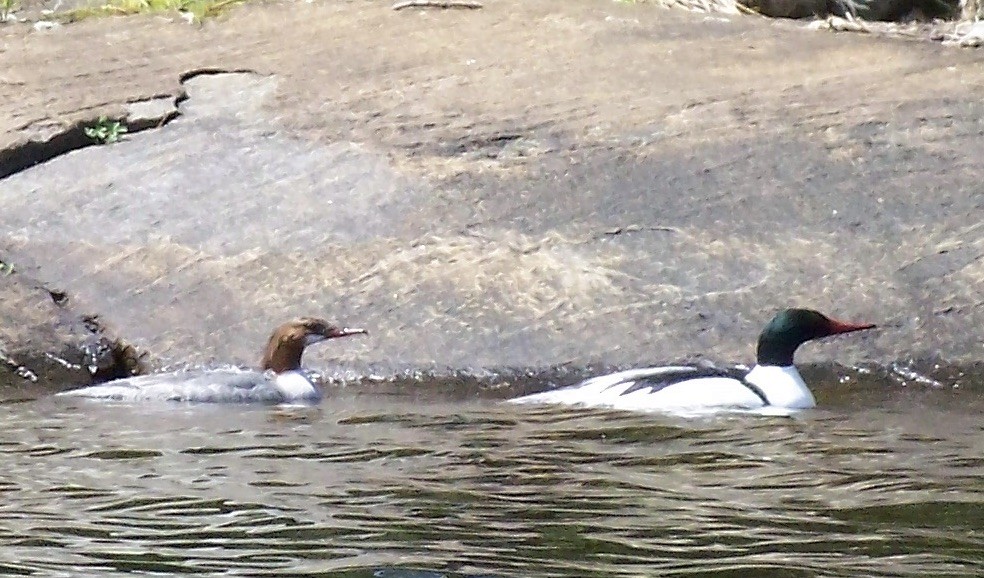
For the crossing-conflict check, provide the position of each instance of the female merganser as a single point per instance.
(773, 382)
(280, 379)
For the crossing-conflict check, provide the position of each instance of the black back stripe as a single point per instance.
(757, 391)
(663, 380)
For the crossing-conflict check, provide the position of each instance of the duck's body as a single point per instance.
(280, 380)
(773, 382)
(683, 387)
(230, 385)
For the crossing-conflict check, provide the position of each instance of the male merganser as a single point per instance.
(279, 380)
(773, 382)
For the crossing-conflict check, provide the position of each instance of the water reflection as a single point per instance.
(885, 480)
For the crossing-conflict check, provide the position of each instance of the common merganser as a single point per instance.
(773, 382)
(280, 379)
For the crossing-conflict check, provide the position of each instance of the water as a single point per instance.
(884, 480)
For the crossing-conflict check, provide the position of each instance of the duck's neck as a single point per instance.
(782, 386)
(282, 356)
(775, 351)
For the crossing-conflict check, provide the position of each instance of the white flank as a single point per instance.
(213, 386)
(781, 385)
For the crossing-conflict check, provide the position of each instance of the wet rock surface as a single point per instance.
(44, 340)
(525, 185)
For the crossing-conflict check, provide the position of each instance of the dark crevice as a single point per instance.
(141, 124)
(492, 144)
(30, 153)
(186, 76)
(630, 229)
(33, 152)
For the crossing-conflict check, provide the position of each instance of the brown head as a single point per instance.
(283, 351)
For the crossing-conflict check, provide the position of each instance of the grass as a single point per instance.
(7, 8)
(197, 10)
(106, 131)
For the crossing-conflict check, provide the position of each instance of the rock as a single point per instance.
(151, 113)
(789, 8)
(44, 25)
(875, 10)
(43, 340)
(579, 184)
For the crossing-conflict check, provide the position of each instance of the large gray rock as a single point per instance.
(578, 184)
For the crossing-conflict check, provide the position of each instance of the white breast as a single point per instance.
(296, 386)
(783, 386)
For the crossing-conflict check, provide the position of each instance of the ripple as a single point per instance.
(409, 488)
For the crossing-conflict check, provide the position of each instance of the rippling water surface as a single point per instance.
(883, 481)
